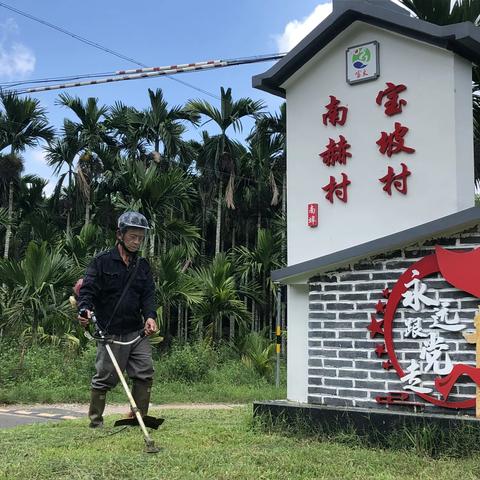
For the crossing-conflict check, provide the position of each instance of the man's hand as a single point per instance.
(150, 326)
(85, 319)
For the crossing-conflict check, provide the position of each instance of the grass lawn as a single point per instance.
(207, 445)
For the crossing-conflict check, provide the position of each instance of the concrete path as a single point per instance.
(13, 415)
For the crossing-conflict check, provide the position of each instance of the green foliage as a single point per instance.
(36, 287)
(219, 297)
(187, 363)
(53, 371)
(44, 373)
(82, 247)
(445, 12)
(257, 353)
(3, 217)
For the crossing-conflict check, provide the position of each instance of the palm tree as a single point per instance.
(175, 287)
(92, 134)
(221, 149)
(442, 12)
(120, 122)
(60, 152)
(257, 264)
(160, 124)
(11, 167)
(31, 286)
(157, 193)
(275, 126)
(264, 154)
(23, 123)
(220, 298)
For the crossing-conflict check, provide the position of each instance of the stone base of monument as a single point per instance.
(364, 421)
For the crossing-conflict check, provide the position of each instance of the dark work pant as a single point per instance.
(135, 359)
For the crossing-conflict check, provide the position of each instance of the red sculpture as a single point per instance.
(399, 180)
(336, 152)
(393, 105)
(335, 114)
(339, 189)
(391, 143)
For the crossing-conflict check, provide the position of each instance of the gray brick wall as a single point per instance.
(344, 369)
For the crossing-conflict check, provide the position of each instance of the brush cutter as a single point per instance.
(146, 421)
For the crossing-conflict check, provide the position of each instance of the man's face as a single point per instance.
(133, 238)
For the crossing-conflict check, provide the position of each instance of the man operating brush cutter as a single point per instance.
(118, 286)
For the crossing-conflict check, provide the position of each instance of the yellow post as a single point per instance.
(475, 338)
(477, 358)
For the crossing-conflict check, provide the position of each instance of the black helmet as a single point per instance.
(132, 220)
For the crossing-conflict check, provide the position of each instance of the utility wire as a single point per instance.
(183, 67)
(96, 45)
(152, 72)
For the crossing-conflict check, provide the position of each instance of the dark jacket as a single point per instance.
(103, 285)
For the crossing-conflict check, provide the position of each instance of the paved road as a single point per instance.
(11, 417)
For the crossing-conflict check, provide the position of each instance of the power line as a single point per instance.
(95, 44)
(156, 71)
(184, 67)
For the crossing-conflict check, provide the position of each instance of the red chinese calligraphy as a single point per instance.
(335, 114)
(360, 73)
(339, 189)
(399, 181)
(391, 143)
(393, 105)
(336, 152)
(313, 215)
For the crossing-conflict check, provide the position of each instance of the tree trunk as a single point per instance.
(234, 231)
(69, 212)
(8, 232)
(219, 217)
(204, 232)
(259, 222)
(152, 245)
(167, 320)
(179, 321)
(185, 328)
(87, 208)
(68, 222)
(232, 328)
(200, 330)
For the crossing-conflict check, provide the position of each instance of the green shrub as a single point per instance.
(188, 363)
(42, 373)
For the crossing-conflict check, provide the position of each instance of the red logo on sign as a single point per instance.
(313, 214)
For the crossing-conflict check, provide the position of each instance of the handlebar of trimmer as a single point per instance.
(101, 333)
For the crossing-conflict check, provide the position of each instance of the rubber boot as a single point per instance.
(141, 391)
(97, 406)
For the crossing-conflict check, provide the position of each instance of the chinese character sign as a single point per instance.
(422, 314)
(390, 144)
(313, 215)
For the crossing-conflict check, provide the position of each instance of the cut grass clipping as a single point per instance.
(214, 444)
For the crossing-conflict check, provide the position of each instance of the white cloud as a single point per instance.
(16, 59)
(296, 30)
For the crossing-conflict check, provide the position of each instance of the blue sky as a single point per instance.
(152, 32)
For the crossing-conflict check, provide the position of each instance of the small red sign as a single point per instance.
(313, 215)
